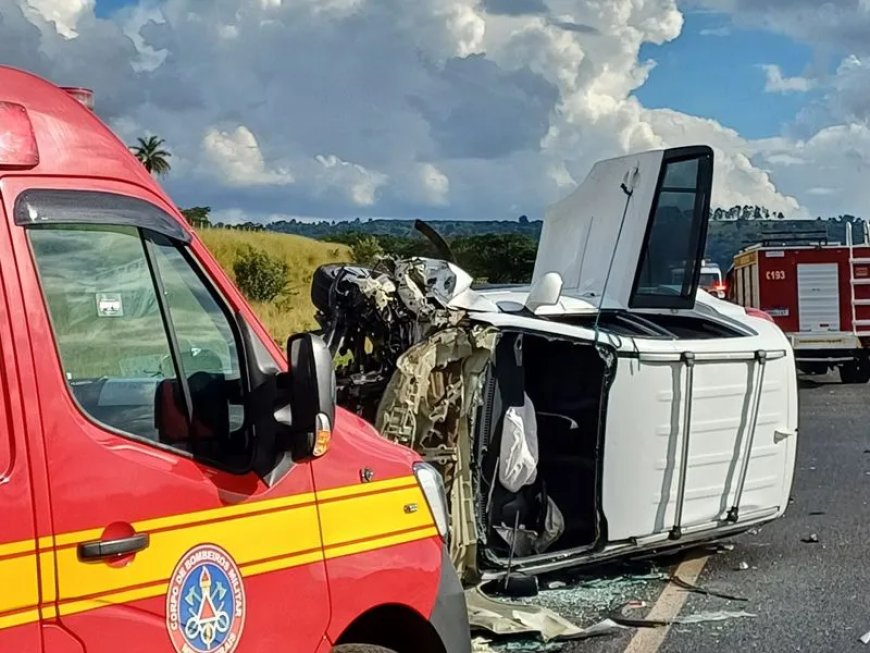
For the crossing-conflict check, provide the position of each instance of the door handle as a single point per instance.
(99, 549)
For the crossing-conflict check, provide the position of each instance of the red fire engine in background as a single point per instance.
(817, 292)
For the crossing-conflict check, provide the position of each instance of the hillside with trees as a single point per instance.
(503, 251)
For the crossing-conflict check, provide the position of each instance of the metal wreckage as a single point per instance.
(608, 409)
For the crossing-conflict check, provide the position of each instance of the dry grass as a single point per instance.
(293, 311)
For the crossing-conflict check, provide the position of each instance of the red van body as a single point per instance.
(128, 398)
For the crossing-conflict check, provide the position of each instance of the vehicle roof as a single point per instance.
(71, 139)
(758, 247)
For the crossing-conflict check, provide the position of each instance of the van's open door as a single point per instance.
(642, 220)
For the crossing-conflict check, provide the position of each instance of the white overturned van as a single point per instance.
(602, 411)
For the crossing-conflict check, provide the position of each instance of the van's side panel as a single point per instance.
(642, 458)
(19, 558)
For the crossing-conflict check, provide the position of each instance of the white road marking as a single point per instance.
(668, 606)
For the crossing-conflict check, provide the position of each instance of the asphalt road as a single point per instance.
(812, 597)
(807, 596)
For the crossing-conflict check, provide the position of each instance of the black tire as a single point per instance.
(361, 648)
(321, 283)
(855, 373)
(324, 277)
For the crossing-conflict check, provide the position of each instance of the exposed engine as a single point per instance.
(371, 316)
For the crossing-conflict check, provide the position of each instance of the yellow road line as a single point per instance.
(668, 606)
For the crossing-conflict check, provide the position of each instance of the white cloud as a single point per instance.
(736, 179)
(360, 184)
(837, 157)
(236, 156)
(438, 108)
(777, 83)
(716, 31)
(836, 25)
(64, 14)
(435, 183)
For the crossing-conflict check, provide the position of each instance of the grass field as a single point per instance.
(292, 312)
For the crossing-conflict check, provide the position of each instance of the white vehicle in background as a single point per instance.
(606, 410)
(710, 279)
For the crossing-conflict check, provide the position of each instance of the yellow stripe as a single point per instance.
(246, 539)
(15, 548)
(19, 583)
(351, 520)
(282, 563)
(372, 515)
(48, 580)
(380, 543)
(189, 518)
(367, 488)
(19, 618)
(127, 596)
(228, 512)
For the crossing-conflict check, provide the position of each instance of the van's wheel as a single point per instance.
(361, 648)
(856, 372)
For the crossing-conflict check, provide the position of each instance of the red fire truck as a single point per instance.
(817, 292)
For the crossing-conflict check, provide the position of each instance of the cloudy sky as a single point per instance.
(465, 108)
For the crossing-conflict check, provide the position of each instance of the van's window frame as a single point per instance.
(51, 206)
(685, 299)
(144, 231)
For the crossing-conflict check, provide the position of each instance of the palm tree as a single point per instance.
(152, 155)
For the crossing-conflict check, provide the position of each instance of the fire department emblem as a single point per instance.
(205, 604)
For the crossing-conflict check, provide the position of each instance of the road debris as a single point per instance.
(742, 566)
(510, 619)
(696, 589)
(865, 638)
(620, 617)
(583, 598)
(812, 538)
(481, 645)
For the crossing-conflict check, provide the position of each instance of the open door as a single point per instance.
(633, 233)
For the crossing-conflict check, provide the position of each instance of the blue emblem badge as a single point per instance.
(205, 604)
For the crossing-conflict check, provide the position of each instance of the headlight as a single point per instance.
(433, 489)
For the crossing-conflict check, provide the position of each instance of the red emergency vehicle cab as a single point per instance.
(165, 483)
(818, 293)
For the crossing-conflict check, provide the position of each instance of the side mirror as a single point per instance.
(310, 414)
(545, 292)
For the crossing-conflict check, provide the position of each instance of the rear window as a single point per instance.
(709, 279)
(669, 271)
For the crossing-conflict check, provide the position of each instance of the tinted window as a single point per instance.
(671, 257)
(166, 370)
(205, 338)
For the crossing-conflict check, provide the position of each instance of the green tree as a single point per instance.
(366, 250)
(197, 216)
(260, 276)
(152, 155)
(497, 258)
